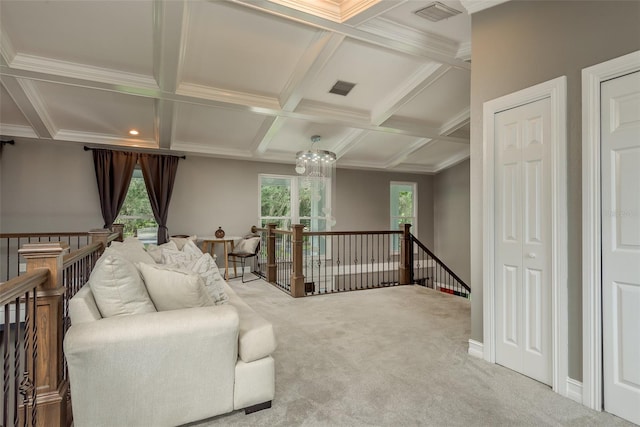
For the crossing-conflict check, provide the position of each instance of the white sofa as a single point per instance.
(167, 368)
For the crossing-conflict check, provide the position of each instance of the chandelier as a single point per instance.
(317, 177)
(315, 163)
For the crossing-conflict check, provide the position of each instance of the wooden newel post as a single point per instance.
(52, 390)
(118, 228)
(271, 254)
(100, 235)
(297, 275)
(404, 267)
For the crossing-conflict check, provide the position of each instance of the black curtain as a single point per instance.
(113, 174)
(159, 174)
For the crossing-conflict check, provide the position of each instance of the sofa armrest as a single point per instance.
(164, 368)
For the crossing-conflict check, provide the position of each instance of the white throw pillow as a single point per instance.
(207, 269)
(173, 288)
(118, 288)
(190, 247)
(247, 246)
(131, 249)
(180, 241)
(156, 251)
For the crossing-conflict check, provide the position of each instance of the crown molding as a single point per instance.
(77, 71)
(350, 8)
(464, 51)
(222, 152)
(428, 42)
(269, 128)
(99, 138)
(452, 161)
(474, 6)
(412, 148)
(19, 131)
(455, 123)
(351, 140)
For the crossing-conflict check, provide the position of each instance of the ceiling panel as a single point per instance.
(97, 111)
(378, 148)
(451, 94)
(9, 111)
(196, 124)
(376, 72)
(296, 136)
(437, 153)
(115, 35)
(240, 49)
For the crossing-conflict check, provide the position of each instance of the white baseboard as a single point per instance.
(476, 349)
(574, 390)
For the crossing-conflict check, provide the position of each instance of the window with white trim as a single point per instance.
(403, 208)
(287, 200)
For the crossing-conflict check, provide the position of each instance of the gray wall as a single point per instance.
(522, 43)
(48, 187)
(51, 187)
(451, 219)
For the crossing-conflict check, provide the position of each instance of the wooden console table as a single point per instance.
(209, 245)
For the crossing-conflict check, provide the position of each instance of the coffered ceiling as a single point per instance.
(245, 79)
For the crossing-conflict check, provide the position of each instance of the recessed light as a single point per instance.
(133, 132)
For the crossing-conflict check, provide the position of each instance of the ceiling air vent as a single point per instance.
(342, 88)
(437, 11)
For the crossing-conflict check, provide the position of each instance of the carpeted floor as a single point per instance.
(392, 357)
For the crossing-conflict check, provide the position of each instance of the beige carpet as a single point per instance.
(392, 357)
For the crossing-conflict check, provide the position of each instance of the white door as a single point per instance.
(620, 154)
(523, 255)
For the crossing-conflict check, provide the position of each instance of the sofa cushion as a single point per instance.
(118, 288)
(256, 338)
(173, 288)
(177, 258)
(205, 266)
(190, 247)
(180, 241)
(131, 249)
(156, 251)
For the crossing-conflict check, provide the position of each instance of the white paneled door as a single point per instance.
(522, 241)
(620, 154)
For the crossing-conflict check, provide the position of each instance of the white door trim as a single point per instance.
(556, 91)
(592, 77)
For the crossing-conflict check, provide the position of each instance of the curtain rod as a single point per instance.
(10, 142)
(135, 150)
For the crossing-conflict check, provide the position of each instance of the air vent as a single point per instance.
(342, 88)
(437, 11)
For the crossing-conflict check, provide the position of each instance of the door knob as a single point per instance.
(531, 255)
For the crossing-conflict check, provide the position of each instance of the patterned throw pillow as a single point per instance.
(207, 269)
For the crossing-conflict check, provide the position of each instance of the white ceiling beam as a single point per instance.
(28, 99)
(270, 127)
(422, 51)
(169, 42)
(412, 148)
(474, 6)
(461, 119)
(164, 116)
(308, 68)
(374, 11)
(351, 140)
(419, 81)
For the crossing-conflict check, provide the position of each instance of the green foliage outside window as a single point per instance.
(136, 211)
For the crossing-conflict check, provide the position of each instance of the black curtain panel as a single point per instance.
(113, 175)
(159, 174)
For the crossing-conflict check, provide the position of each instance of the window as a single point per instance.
(404, 208)
(287, 200)
(136, 213)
